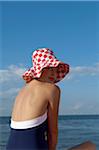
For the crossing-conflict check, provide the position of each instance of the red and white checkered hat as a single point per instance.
(42, 58)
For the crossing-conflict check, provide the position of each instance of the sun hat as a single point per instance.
(45, 58)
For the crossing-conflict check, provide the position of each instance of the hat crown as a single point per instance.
(41, 56)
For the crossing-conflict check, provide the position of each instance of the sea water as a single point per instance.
(73, 130)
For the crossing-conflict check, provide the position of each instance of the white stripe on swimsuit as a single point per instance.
(28, 123)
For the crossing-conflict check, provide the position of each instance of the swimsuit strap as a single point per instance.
(28, 123)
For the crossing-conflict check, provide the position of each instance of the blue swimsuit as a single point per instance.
(29, 134)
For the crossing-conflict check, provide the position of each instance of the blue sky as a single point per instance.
(71, 29)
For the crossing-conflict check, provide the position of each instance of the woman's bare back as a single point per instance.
(32, 101)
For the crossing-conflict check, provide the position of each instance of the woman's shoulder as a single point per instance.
(43, 86)
(53, 88)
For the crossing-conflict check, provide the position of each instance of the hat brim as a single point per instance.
(31, 74)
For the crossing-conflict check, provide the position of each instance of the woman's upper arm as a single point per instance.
(53, 109)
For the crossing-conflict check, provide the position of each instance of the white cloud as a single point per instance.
(77, 106)
(83, 71)
(12, 72)
(9, 92)
(10, 84)
(80, 108)
(16, 70)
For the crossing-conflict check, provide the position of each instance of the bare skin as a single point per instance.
(34, 99)
(88, 145)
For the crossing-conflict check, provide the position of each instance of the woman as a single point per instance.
(34, 120)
